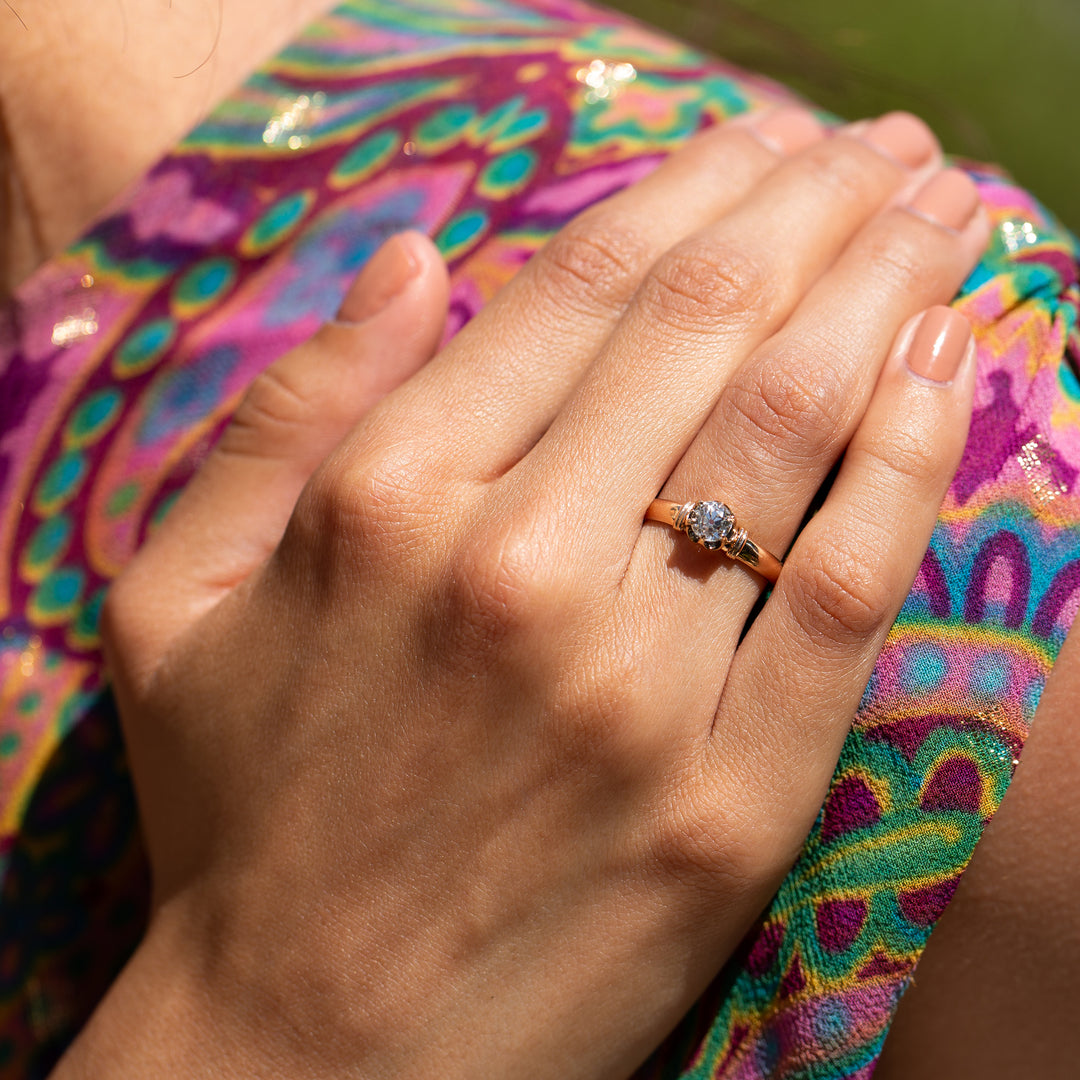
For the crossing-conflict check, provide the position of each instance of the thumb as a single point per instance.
(234, 511)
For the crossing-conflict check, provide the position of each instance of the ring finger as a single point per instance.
(797, 678)
(705, 306)
(498, 383)
(791, 408)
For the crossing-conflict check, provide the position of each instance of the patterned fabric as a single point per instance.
(488, 124)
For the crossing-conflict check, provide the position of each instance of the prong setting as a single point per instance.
(710, 524)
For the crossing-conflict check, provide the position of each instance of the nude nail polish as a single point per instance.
(386, 274)
(939, 344)
(949, 199)
(902, 137)
(787, 129)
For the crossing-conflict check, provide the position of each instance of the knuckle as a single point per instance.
(849, 174)
(597, 710)
(275, 404)
(788, 407)
(594, 262)
(370, 505)
(838, 595)
(699, 284)
(897, 259)
(900, 455)
(604, 701)
(498, 586)
(713, 843)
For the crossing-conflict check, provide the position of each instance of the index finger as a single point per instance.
(500, 382)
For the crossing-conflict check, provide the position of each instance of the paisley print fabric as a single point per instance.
(488, 124)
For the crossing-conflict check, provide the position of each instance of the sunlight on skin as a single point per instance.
(104, 91)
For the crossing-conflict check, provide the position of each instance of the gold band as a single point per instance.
(712, 525)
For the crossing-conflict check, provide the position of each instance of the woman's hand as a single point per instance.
(470, 774)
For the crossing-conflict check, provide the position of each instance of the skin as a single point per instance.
(694, 353)
(91, 95)
(521, 788)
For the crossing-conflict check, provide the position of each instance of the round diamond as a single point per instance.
(710, 524)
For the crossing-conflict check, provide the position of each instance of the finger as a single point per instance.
(798, 676)
(788, 412)
(702, 310)
(234, 511)
(497, 385)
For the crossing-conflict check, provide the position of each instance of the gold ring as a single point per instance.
(712, 525)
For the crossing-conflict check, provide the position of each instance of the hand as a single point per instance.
(470, 774)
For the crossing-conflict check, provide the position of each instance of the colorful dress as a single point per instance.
(488, 124)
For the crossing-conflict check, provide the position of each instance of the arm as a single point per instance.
(411, 790)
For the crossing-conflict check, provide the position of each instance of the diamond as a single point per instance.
(710, 524)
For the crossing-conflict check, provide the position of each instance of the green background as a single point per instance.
(999, 80)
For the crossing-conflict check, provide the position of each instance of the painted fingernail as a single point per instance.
(787, 129)
(950, 199)
(902, 137)
(939, 344)
(386, 274)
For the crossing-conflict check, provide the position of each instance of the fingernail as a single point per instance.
(902, 137)
(939, 345)
(787, 129)
(949, 199)
(386, 274)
